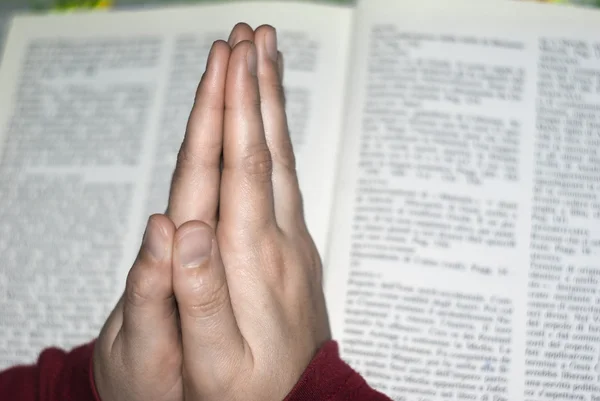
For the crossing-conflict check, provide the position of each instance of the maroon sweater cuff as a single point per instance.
(62, 376)
(328, 378)
(57, 376)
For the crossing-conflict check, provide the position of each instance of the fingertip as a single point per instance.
(193, 244)
(163, 224)
(244, 60)
(157, 240)
(221, 45)
(240, 50)
(242, 70)
(149, 279)
(266, 39)
(262, 32)
(263, 28)
(216, 64)
(219, 52)
(240, 32)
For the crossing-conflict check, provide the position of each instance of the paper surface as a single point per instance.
(464, 254)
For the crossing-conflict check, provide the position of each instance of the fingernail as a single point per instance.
(154, 240)
(280, 65)
(271, 44)
(251, 59)
(194, 247)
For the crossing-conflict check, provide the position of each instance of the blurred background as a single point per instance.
(8, 7)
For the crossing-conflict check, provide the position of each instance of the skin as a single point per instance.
(224, 301)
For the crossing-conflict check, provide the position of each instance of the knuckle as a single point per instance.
(245, 104)
(258, 163)
(285, 155)
(208, 302)
(196, 162)
(274, 260)
(276, 89)
(205, 104)
(254, 103)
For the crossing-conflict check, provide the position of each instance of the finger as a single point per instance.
(209, 331)
(280, 66)
(196, 180)
(247, 163)
(286, 192)
(240, 32)
(149, 313)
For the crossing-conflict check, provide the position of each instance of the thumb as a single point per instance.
(212, 342)
(149, 313)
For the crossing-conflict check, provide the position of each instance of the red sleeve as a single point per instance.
(62, 376)
(57, 376)
(328, 378)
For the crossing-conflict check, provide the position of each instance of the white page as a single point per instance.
(87, 155)
(420, 307)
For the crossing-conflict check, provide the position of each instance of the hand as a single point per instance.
(138, 354)
(250, 301)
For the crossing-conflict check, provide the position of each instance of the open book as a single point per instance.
(448, 153)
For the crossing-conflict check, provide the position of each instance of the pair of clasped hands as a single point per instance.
(224, 301)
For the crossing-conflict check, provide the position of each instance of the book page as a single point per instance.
(464, 262)
(92, 112)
